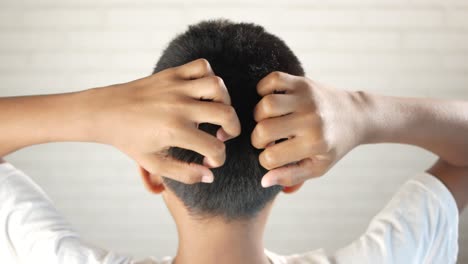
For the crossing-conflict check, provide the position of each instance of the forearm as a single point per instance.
(32, 120)
(440, 126)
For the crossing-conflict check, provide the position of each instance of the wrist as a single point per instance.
(49, 118)
(364, 114)
(92, 105)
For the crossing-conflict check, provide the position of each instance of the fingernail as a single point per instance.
(207, 179)
(222, 135)
(267, 182)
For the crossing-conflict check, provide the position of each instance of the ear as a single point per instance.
(292, 189)
(153, 183)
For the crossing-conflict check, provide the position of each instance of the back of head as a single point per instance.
(241, 54)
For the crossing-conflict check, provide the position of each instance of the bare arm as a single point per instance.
(440, 126)
(141, 118)
(32, 120)
(322, 124)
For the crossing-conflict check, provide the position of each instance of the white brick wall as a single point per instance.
(395, 47)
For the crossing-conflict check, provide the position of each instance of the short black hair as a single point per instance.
(241, 54)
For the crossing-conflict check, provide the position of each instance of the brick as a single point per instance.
(89, 40)
(280, 17)
(294, 38)
(457, 19)
(145, 18)
(27, 82)
(90, 61)
(403, 18)
(52, 18)
(24, 41)
(396, 47)
(318, 18)
(370, 61)
(362, 41)
(456, 62)
(109, 41)
(445, 42)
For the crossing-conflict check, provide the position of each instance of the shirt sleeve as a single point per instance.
(32, 229)
(419, 225)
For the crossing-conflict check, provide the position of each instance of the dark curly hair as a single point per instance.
(241, 54)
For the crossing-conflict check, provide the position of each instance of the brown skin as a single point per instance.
(322, 124)
(213, 240)
(317, 131)
(145, 117)
(142, 118)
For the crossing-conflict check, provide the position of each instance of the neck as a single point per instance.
(217, 241)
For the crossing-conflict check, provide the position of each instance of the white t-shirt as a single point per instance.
(419, 225)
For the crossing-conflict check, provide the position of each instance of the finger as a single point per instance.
(166, 166)
(273, 105)
(210, 147)
(276, 81)
(270, 130)
(217, 114)
(293, 174)
(208, 88)
(194, 70)
(289, 151)
(223, 135)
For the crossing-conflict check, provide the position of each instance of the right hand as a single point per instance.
(144, 118)
(320, 124)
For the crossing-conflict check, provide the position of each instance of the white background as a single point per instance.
(393, 47)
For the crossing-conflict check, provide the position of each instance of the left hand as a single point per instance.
(320, 124)
(145, 117)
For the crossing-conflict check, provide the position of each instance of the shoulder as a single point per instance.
(419, 222)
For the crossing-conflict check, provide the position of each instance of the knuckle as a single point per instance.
(305, 85)
(326, 146)
(216, 81)
(203, 64)
(169, 131)
(273, 80)
(319, 117)
(261, 130)
(255, 139)
(219, 150)
(269, 103)
(228, 113)
(315, 126)
(276, 76)
(268, 159)
(231, 114)
(169, 71)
